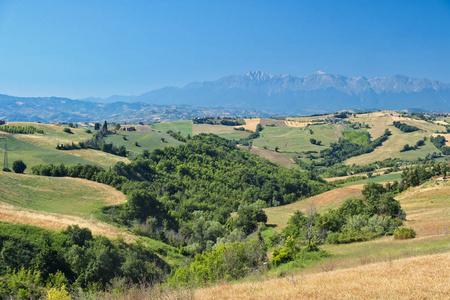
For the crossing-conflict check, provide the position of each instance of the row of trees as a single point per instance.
(28, 129)
(219, 121)
(97, 142)
(405, 127)
(418, 144)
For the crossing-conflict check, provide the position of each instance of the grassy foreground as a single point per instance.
(422, 277)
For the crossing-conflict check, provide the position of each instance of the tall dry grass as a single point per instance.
(422, 277)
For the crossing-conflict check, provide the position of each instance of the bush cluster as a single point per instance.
(404, 233)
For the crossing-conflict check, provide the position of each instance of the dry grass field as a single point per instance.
(272, 156)
(422, 277)
(279, 215)
(15, 214)
(250, 124)
(290, 123)
(428, 208)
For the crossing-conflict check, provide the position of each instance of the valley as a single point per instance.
(182, 189)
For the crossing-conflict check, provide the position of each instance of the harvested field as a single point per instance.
(250, 124)
(441, 123)
(427, 208)
(296, 124)
(422, 277)
(273, 122)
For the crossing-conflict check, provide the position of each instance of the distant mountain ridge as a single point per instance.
(252, 94)
(56, 109)
(295, 94)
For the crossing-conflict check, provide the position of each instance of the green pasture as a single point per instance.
(291, 139)
(391, 177)
(184, 127)
(147, 140)
(52, 194)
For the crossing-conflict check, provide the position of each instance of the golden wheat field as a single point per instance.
(421, 277)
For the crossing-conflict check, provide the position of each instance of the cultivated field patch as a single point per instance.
(250, 124)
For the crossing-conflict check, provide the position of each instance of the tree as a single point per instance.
(311, 237)
(249, 215)
(97, 126)
(105, 127)
(19, 166)
(67, 130)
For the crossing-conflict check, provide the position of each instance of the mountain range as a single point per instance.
(294, 94)
(252, 93)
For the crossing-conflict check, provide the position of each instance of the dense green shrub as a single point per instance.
(404, 233)
(31, 257)
(67, 130)
(19, 166)
(231, 261)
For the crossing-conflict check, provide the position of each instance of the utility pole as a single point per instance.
(5, 160)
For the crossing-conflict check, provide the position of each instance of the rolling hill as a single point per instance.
(53, 203)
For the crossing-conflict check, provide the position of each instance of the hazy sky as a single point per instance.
(100, 48)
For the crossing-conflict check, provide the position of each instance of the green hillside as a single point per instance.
(207, 211)
(67, 196)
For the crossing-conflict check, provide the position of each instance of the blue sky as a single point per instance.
(81, 48)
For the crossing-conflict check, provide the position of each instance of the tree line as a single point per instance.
(28, 129)
(405, 127)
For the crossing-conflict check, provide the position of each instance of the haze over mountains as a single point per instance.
(252, 93)
(293, 94)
